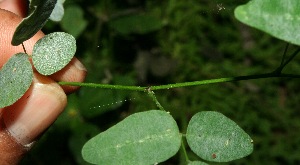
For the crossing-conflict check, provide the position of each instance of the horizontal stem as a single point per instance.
(185, 84)
(104, 86)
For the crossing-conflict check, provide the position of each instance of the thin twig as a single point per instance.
(152, 95)
(24, 48)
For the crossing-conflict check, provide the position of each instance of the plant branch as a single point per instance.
(24, 48)
(284, 54)
(152, 95)
(184, 151)
(283, 64)
(292, 57)
(184, 84)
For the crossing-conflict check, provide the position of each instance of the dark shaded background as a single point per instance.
(153, 42)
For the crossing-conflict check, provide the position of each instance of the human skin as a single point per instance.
(23, 122)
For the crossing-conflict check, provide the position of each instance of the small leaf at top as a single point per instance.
(214, 137)
(15, 79)
(142, 138)
(53, 52)
(280, 18)
(40, 11)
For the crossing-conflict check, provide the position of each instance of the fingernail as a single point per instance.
(79, 65)
(35, 111)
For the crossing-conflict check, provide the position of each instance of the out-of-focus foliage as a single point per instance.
(189, 40)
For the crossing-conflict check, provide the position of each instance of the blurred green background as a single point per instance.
(153, 42)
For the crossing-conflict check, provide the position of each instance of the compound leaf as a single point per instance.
(280, 18)
(214, 137)
(15, 79)
(142, 138)
(53, 52)
(40, 11)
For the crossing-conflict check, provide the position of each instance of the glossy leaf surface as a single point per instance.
(40, 11)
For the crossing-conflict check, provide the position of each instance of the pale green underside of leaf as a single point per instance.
(279, 18)
(214, 137)
(15, 79)
(53, 52)
(40, 11)
(58, 11)
(143, 138)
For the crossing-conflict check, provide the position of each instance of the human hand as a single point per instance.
(23, 122)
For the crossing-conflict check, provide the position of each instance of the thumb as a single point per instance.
(29, 117)
(23, 122)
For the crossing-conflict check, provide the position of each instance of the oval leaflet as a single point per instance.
(15, 79)
(53, 52)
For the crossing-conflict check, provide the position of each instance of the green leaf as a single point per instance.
(58, 11)
(73, 21)
(15, 79)
(40, 11)
(280, 18)
(53, 52)
(142, 138)
(140, 24)
(214, 137)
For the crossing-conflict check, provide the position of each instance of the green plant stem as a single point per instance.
(292, 57)
(184, 84)
(152, 95)
(184, 152)
(104, 86)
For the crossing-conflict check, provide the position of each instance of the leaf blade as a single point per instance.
(214, 137)
(142, 138)
(279, 18)
(40, 11)
(53, 52)
(15, 79)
